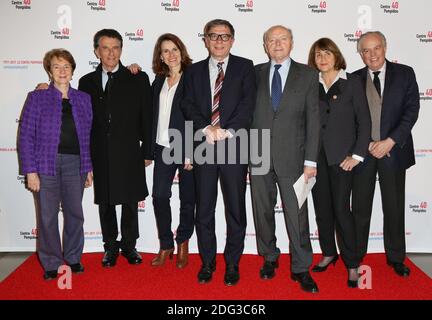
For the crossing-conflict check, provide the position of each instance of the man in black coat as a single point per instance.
(120, 141)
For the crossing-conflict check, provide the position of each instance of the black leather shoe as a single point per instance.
(306, 281)
(232, 275)
(318, 268)
(49, 275)
(206, 272)
(132, 256)
(110, 258)
(77, 268)
(353, 281)
(400, 268)
(268, 269)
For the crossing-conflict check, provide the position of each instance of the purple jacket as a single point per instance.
(40, 127)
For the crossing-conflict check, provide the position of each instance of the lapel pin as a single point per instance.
(334, 97)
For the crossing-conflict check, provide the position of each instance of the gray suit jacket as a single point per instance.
(295, 127)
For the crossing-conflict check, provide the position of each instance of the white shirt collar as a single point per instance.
(285, 64)
(213, 62)
(382, 70)
(114, 70)
(341, 75)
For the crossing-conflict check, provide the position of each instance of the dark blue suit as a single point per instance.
(236, 108)
(399, 113)
(163, 174)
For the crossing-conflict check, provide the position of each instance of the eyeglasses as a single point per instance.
(215, 36)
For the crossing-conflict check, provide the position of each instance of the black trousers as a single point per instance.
(128, 226)
(392, 185)
(233, 185)
(163, 176)
(331, 196)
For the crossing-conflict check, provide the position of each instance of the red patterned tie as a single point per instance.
(216, 95)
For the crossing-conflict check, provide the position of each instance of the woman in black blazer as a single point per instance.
(345, 136)
(170, 58)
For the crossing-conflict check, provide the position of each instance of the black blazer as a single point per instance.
(119, 147)
(399, 113)
(237, 97)
(177, 119)
(345, 120)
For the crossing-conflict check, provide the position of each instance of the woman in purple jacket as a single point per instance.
(54, 151)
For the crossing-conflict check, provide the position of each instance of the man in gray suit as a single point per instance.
(287, 109)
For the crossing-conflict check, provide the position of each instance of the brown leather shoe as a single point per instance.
(159, 260)
(182, 254)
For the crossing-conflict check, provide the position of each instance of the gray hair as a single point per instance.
(277, 26)
(376, 33)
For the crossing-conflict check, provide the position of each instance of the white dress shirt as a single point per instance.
(105, 75)
(283, 71)
(214, 71)
(166, 98)
(381, 76)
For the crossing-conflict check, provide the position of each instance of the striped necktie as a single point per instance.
(216, 96)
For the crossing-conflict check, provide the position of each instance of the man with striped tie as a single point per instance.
(219, 99)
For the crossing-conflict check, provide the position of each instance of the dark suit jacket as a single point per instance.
(177, 119)
(237, 97)
(399, 113)
(118, 158)
(345, 120)
(295, 126)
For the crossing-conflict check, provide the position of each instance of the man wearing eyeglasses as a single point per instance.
(393, 97)
(219, 99)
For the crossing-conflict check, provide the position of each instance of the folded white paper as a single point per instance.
(302, 189)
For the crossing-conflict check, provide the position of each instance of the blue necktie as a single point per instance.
(276, 88)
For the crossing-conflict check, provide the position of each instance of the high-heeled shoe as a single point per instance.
(182, 254)
(352, 283)
(159, 260)
(318, 268)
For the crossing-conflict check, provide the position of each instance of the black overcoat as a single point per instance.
(121, 133)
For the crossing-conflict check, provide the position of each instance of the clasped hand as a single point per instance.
(215, 133)
(381, 148)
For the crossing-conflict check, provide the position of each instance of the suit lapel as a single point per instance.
(290, 85)
(387, 81)
(177, 95)
(264, 76)
(363, 76)
(156, 92)
(206, 86)
(97, 79)
(342, 83)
